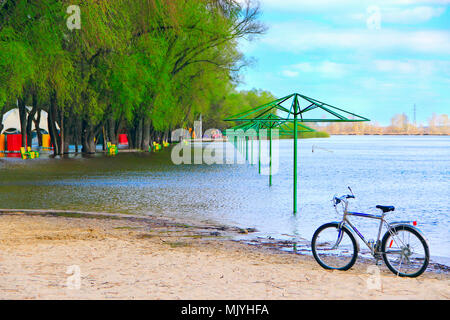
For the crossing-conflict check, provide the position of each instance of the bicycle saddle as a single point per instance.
(385, 208)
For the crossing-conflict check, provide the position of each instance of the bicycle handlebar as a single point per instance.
(345, 196)
(338, 200)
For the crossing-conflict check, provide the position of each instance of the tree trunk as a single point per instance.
(89, 145)
(62, 132)
(30, 125)
(146, 136)
(2, 112)
(30, 119)
(76, 134)
(169, 137)
(138, 141)
(111, 131)
(104, 138)
(23, 120)
(66, 143)
(119, 128)
(37, 121)
(54, 136)
(131, 136)
(87, 138)
(68, 132)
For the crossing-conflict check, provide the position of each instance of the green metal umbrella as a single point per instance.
(253, 128)
(294, 109)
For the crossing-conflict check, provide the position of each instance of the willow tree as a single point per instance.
(33, 61)
(145, 66)
(189, 39)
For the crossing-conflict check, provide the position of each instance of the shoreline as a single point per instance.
(389, 134)
(142, 257)
(248, 236)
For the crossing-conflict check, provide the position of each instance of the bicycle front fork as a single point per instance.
(375, 250)
(339, 239)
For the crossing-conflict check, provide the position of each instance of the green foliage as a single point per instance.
(16, 65)
(158, 62)
(232, 102)
(308, 135)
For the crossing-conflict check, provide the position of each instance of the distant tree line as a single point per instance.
(400, 124)
(144, 67)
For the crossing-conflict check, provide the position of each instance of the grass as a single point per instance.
(178, 244)
(182, 225)
(127, 228)
(308, 135)
(146, 236)
(79, 215)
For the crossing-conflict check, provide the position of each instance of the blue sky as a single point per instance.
(375, 58)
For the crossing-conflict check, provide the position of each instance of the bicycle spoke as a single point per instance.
(400, 267)
(408, 255)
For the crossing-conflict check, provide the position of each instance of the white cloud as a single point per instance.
(423, 1)
(413, 15)
(304, 67)
(290, 74)
(291, 37)
(331, 68)
(424, 68)
(394, 68)
(401, 15)
(316, 5)
(326, 69)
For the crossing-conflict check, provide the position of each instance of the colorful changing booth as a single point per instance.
(123, 139)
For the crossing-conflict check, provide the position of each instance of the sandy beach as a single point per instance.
(63, 257)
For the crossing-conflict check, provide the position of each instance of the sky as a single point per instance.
(374, 58)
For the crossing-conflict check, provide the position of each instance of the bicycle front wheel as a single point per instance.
(334, 248)
(405, 251)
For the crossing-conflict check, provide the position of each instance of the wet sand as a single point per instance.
(40, 256)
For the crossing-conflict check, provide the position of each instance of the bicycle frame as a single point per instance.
(346, 221)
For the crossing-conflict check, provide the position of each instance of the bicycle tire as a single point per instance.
(408, 228)
(349, 234)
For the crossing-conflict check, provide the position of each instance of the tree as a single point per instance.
(144, 66)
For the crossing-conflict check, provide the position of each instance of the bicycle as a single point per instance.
(403, 248)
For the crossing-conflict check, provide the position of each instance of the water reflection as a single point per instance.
(411, 173)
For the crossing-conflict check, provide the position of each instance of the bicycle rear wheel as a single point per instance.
(334, 248)
(405, 251)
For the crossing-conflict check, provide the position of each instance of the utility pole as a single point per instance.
(415, 122)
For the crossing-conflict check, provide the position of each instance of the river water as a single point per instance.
(410, 172)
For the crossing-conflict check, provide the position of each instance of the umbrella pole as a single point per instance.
(239, 144)
(295, 161)
(242, 145)
(252, 152)
(259, 155)
(246, 148)
(270, 157)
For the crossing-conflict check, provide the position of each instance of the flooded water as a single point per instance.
(412, 173)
